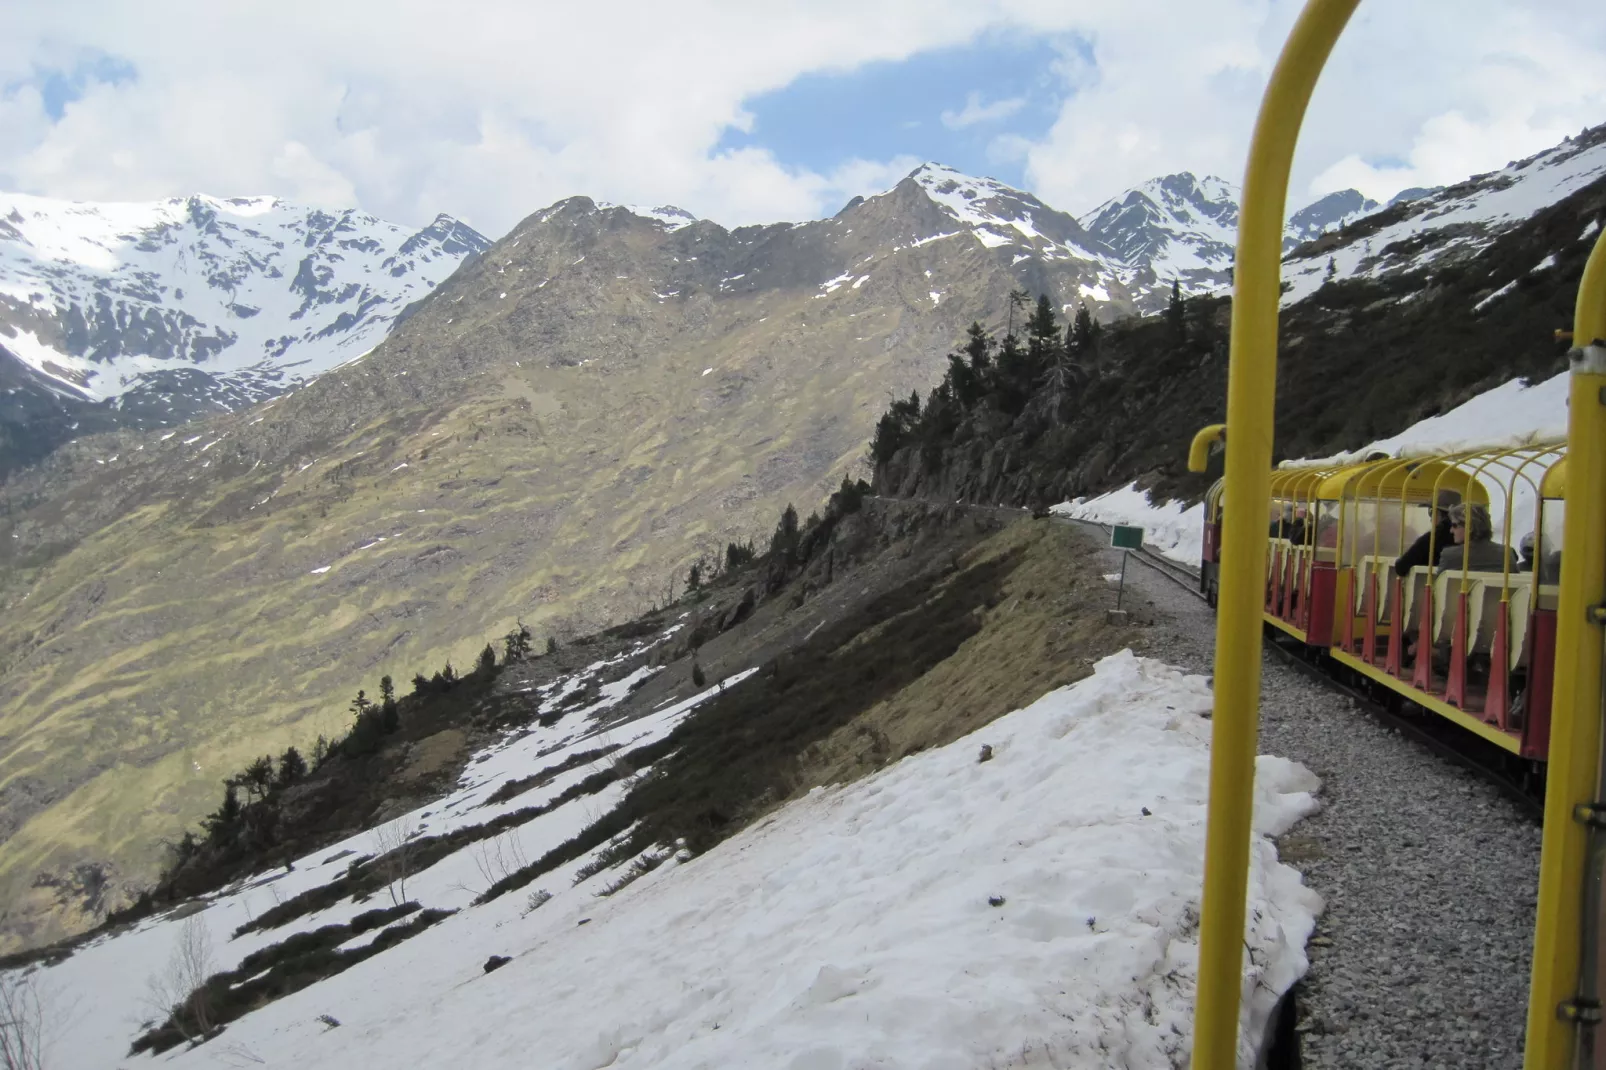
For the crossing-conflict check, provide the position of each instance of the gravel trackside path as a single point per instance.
(1422, 956)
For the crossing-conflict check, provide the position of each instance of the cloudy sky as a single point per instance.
(749, 112)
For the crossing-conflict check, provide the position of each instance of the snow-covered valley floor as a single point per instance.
(1037, 908)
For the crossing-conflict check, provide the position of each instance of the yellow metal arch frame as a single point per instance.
(1575, 727)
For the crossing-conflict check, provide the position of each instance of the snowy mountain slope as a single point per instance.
(1173, 227)
(1038, 907)
(201, 303)
(1437, 229)
(1186, 228)
(997, 214)
(1043, 248)
(1332, 212)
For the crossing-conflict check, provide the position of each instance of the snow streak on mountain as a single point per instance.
(1432, 229)
(202, 300)
(1176, 227)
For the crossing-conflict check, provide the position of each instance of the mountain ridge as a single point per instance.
(554, 434)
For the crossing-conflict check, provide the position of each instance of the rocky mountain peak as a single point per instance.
(1412, 194)
(449, 236)
(1329, 213)
(1175, 226)
(999, 214)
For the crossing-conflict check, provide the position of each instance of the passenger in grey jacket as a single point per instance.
(1474, 547)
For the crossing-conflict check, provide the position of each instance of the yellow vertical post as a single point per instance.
(1575, 730)
(1251, 391)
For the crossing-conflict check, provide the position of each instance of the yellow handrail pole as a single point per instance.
(1575, 729)
(1199, 448)
(1251, 390)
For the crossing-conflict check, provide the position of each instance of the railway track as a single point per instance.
(1522, 781)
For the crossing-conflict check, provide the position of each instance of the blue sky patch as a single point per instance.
(60, 86)
(958, 106)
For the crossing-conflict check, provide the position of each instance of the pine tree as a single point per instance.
(487, 661)
(221, 823)
(365, 733)
(888, 438)
(694, 576)
(737, 554)
(1084, 340)
(1043, 344)
(1176, 316)
(1012, 385)
(551, 644)
(1017, 299)
(516, 644)
(961, 382)
(784, 542)
(389, 712)
(979, 348)
(697, 676)
(258, 777)
(850, 496)
(292, 767)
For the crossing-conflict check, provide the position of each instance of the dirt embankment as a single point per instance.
(1045, 630)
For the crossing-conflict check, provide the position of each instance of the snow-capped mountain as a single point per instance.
(1333, 212)
(1437, 228)
(1001, 215)
(181, 306)
(1174, 227)
(1186, 228)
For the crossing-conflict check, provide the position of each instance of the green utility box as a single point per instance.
(1126, 538)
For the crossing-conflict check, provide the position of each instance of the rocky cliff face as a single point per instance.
(150, 315)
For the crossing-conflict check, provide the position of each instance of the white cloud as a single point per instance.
(1453, 87)
(500, 108)
(1530, 86)
(975, 111)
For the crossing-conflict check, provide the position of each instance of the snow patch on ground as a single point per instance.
(1037, 909)
(1174, 529)
(855, 927)
(1497, 295)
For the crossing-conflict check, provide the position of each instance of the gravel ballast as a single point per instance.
(1421, 958)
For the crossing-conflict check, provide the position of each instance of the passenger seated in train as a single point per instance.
(1475, 548)
(1291, 525)
(1417, 553)
(1526, 553)
(1296, 530)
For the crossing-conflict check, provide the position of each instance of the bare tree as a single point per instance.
(179, 992)
(500, 856)
(22, 1023)
(393, 850)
